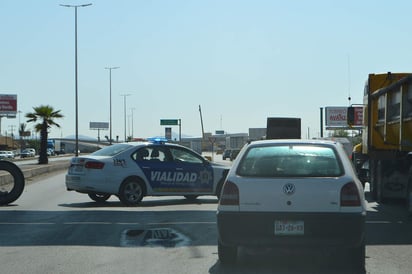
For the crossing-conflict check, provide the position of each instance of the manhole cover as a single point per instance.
(165, 237)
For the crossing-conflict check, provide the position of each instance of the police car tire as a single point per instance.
(132, 191)
(100, 198)
(18, 183)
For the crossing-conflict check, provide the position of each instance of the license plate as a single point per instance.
(289, 227)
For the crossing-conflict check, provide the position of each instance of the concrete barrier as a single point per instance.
(32, 170)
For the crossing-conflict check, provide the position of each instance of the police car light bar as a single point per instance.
(158, 140)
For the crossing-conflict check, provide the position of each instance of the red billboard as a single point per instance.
(8, 104)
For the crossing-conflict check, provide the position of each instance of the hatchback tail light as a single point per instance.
(230, 194)
(94, 165)
(349, 195)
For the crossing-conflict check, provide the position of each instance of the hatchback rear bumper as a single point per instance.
(320, 229)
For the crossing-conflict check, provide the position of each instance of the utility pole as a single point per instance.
(201, 122)
(124, 103)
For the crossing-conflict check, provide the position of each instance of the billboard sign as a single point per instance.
(336, 117)
(358, 121)
(8, 104)
(99, 125)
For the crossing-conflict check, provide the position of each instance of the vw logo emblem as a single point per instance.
(289, 189)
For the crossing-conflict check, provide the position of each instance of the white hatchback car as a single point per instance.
(136, 169)
(292, 193)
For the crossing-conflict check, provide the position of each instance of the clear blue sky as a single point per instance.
(242, 61)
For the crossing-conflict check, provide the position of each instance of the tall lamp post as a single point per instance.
(110, 101)
(124, 100)
(132, 109)
(75, 72)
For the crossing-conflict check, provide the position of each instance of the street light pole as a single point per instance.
(132, 122)
(124, 99)
(75, 72)
(110, 101)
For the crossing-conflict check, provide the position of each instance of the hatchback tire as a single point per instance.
(131, 192)
(357, 256)
(227, 254)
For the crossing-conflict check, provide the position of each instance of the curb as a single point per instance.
(30, 171)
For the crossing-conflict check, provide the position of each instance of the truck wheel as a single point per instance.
(99, 197)
(372, 179)
(409, 193)
(131, 191)
(12, 188)
(379, 182)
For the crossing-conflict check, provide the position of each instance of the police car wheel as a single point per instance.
(131, 192)
(100, 198)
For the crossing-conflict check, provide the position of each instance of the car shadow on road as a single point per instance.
(144, 203)
(287, 261)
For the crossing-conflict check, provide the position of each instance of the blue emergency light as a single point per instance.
(157, 140)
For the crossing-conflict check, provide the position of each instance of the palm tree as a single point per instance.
(46, 114)
(22, 130)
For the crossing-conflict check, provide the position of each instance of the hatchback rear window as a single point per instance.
(290, 161)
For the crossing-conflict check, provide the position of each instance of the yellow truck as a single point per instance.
(387, 135)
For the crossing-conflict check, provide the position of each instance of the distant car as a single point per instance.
(25, 153)
(4, 155)
(134, 170)
(32, 151)
(226, 154)
(10, 154)
(233, 154)
(292, 194)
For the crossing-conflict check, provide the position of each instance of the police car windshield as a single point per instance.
(111, 150)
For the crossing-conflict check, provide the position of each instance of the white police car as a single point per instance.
(292, 194)
(137, 169)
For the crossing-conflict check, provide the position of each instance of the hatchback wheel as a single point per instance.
(227, 254)
(131, 192)
(98, 197)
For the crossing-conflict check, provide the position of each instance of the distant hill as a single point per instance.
(81, 137)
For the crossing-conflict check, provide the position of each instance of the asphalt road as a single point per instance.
(51, 230)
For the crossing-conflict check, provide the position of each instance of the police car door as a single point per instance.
(158, 168)
(192, 173)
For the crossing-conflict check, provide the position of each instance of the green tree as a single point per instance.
(340, 133)
(46, 115)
